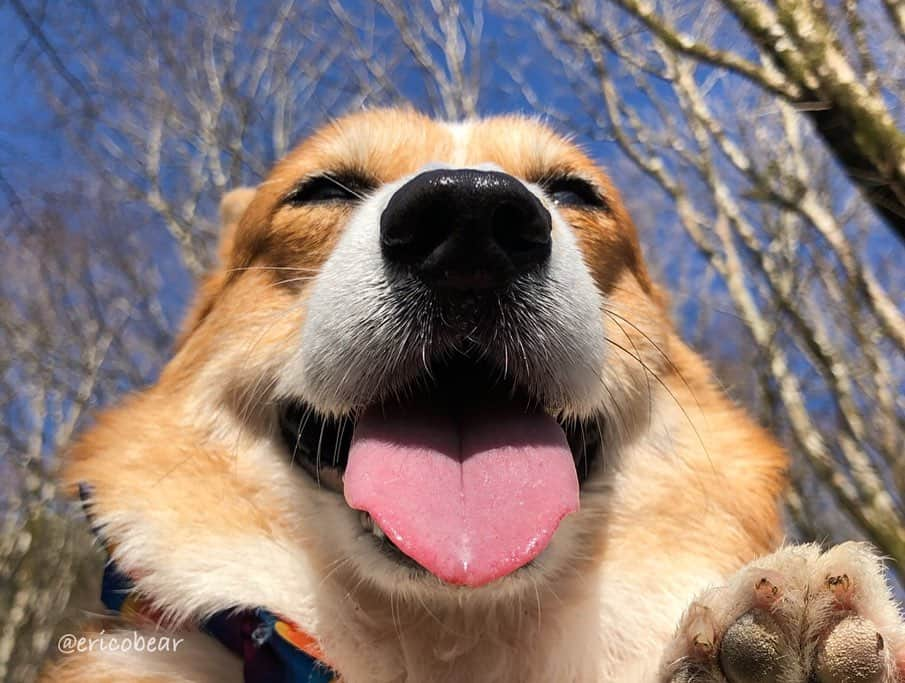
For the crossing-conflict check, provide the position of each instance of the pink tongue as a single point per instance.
(470, 500)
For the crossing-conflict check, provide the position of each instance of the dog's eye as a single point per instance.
(571, 192)
(328, 188)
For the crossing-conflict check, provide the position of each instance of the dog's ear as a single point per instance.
(232, 208)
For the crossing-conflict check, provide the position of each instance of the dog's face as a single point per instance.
(447, 331)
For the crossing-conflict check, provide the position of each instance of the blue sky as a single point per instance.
(23, 144)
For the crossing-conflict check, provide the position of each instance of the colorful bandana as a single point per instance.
(274, 650)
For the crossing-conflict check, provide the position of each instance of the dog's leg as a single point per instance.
(796, 616)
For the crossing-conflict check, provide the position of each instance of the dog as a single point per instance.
(429, 420)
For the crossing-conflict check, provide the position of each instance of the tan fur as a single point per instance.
(200, 502)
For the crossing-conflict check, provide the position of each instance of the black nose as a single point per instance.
(465, 229)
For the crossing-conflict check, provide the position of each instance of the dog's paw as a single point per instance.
(796, 616)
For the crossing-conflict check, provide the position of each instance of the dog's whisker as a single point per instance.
(668, 391)
(539, 608)
(292, 280)
(297, 269)
(332, 569)
(320, 441)
(301, 429)
(335, 181)
(650, 395)
(659, 350)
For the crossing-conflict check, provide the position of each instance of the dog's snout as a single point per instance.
(465, 229)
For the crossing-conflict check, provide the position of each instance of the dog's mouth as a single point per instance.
(466, 474)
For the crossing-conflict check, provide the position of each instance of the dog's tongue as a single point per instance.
(470, 499)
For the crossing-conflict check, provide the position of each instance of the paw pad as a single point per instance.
(853, 652)
(751, 649)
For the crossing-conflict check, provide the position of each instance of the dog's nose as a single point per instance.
(465, 229)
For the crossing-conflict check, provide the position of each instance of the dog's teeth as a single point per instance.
(368, 524)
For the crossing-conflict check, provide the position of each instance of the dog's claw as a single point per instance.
(840, 585)
(767, 589)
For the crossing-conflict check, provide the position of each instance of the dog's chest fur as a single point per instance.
(612, 630)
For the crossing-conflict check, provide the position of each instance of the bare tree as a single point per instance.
(744, 161)
(81, 319)
(823, 59)
(199, 103)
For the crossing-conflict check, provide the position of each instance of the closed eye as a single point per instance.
(330, 188)
(573, 192)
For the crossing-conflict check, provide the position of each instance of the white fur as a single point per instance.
(461, 134)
